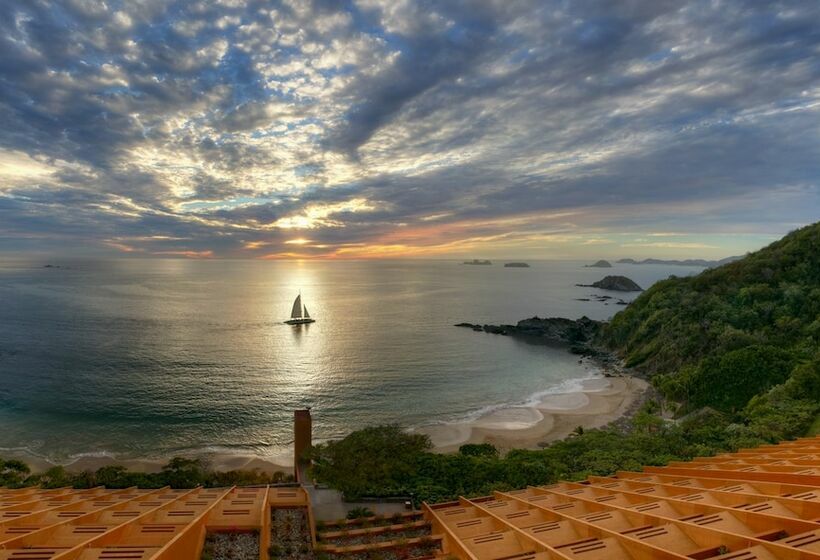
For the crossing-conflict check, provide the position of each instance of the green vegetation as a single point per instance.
(178, 473)
(440, 477)
(478, 450)
(379, 453)
(359, 513)
(719, 338)
(733, 351)
(814, 429)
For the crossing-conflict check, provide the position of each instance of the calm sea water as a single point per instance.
(147, 358)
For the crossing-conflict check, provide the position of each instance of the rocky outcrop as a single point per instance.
(492, 329)
(615, 283)
(600, 264)
(560, 329)
(516, 265)
(554, 329)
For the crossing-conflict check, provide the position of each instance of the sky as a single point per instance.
(393, 128)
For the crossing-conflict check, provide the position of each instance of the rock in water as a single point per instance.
(558, 329)
(600, 264)
(617, 283)
(578, 334)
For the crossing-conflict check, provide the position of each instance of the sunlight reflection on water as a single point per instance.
(144, 357)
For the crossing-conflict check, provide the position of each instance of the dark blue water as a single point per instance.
(147, 358)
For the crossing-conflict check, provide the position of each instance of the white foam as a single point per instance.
(597, 384)
(564, 401)
(575, 385)
(92, 454)
(445, 435)
(513, 418)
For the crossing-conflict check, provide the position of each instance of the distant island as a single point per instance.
(687, 262)
(600, 264)
(516, 265)
(478, 261)
(615, 283)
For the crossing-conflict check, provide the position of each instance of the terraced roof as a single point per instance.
(761, 503)
(131, 524)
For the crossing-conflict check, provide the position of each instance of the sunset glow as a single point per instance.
(376, 129)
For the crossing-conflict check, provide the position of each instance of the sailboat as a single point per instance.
(299, 314)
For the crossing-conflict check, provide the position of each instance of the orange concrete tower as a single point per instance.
(302, 437)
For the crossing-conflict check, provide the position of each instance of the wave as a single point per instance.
(572, 385)
(92, 455)
(262, 450)
(22, 449)
(282, 451)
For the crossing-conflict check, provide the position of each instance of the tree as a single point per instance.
(55, 477)
(13, 472)
(478, 450)
(359, 513)
(805, 381)
(379, 457)
(112, 476)
(184, 473)
(728, 382)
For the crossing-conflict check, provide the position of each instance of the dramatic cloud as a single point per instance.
(407, 128)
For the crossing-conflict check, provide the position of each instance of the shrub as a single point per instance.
(478, 450)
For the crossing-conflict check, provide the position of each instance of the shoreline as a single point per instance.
(609, 399)
(611, 395)
(219, 462)
(600, 401)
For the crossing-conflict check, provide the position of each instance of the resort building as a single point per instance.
(761, 503)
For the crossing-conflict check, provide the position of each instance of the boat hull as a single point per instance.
(299, 321)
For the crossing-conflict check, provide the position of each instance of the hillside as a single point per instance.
(729, 333)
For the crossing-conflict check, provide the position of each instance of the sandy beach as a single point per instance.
(600, 400)
(217, 462)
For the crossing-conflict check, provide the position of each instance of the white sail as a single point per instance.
(296, 312)
(306, 313)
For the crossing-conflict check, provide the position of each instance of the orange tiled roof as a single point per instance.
(759, 503)
(131, 524)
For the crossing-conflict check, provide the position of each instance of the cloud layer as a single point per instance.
(403, 128)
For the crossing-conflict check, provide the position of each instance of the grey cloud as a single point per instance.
(522, 107)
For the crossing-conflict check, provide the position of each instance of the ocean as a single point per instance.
(140, 358)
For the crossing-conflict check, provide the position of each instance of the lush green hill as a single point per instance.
(729, 333)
